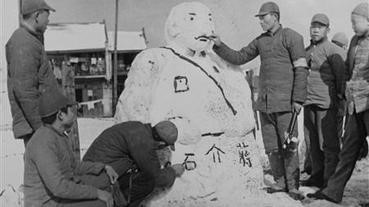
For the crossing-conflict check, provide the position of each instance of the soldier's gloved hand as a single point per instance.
(296, 107)
(216, 39)
(179, 169)
(113, 176)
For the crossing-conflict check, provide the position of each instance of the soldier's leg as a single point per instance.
(102, 182)
(290, 155)
(307, 131)
(317, 157)
(136, 187)
(270, 139)
(355, 133)
(331, 143)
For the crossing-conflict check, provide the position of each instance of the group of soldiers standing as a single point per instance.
(323, 81)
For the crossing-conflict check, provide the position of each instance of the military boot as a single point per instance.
(277, 167)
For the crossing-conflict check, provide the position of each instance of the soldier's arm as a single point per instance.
(24, 63)
(143, 152)
(240, 57)
(336, 60)
(295, 46)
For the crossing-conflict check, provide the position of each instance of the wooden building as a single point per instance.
(81, 56)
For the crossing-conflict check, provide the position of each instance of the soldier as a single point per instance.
(341, 40)
(357, 95)
(325, 89)
(130, 148)
(52, 175)
(29, 72)
(282, 89)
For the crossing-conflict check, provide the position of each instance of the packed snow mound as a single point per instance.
(210, 103)
(212, 95)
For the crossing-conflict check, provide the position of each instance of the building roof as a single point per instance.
(75, 37)
(127, 41)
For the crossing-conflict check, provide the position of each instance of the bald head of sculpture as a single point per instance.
(189, 25)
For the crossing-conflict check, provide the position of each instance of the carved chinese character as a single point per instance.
(216, 153)
(244, 154)
(189, 164)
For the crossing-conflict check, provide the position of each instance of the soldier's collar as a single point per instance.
(32, 31)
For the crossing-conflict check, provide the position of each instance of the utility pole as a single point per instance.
(20, 12)
(115, 68)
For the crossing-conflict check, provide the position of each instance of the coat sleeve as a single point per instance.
(336, 60)
(350, 58)
(240, 57)
(295, 46)
(87, 167)
(144, 155)
(44, 156)
(23, 63)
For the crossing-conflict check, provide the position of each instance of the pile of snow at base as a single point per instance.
(11, 156)
(222, 177)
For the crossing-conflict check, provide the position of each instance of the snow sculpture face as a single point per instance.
(189, 25)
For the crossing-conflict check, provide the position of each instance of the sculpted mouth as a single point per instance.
(202, 38)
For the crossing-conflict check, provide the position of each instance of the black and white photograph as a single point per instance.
(184, 103)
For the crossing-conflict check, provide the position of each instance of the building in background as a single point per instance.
(129, 44)
(81, 55)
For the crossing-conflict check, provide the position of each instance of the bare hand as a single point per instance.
(216, 39)
(106, 197)
(179, 169)
(113, 176)
(296, 107)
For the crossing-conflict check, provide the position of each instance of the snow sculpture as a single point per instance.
(210, 103)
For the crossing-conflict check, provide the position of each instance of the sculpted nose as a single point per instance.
(207, 28)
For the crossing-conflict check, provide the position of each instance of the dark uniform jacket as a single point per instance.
(327, 70)
(52, 175)
(130, 144)
(350, 61)
(29, 73)
(283, 68)
(357, 93)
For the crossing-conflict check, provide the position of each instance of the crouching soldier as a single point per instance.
(52, 175)
(130, 148)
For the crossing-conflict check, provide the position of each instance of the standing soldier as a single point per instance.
(29, 72)
(282, 86)
(341, 40)
(357, 95)
(325, 89)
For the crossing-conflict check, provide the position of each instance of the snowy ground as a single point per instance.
(11, 162)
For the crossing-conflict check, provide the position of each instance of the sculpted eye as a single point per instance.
(210, 19)
(191, 18)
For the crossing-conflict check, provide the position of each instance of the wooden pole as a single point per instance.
(115, 69)
(68, 86)
(20, 12)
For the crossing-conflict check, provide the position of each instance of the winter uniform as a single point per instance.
(53, 177)
(282, 81)
(29, 74)
(126, 147)
(325, 82)
(357, 124)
